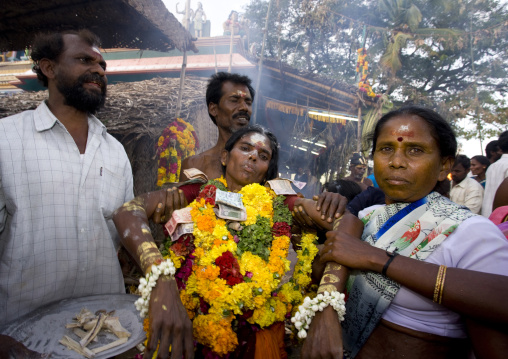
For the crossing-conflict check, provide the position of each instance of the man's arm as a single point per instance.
(324, 338)
(169, 322)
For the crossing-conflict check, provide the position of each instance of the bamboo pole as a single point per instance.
(359, 141)
(358, 78)
(184, 62)
(232, 30)
(260, 65)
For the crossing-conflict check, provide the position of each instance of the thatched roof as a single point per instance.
(144, 24)
(132, 109)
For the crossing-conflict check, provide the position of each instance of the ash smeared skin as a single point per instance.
(403, 130)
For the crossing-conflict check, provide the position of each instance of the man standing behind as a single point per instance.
(492, 151)
(496, 173)
(229, 99)
(358, 166)
(465, 190)
(61, 177)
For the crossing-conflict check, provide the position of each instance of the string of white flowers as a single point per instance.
(148, 283)
(309, 308)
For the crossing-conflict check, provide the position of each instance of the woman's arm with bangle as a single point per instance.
(473, 294)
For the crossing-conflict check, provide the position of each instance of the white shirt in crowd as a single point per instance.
(469, 192)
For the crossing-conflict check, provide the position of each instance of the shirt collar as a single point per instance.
(45, 120)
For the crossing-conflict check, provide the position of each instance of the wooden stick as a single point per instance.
(74, 345)
(110, 345)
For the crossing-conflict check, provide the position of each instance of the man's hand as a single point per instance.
(329, 206)
(174, 199)
(324, 337)
(332, 205)
(169, 323)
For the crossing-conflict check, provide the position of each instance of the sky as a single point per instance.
(217, 12)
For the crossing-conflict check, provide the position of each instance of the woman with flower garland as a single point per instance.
(231, 278)
(431, 276)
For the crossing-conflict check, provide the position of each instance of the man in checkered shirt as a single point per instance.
(61, 177)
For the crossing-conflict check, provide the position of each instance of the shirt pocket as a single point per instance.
(112, 192)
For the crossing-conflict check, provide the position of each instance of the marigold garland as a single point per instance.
(363, 66)
(232, 283)
(178, 141)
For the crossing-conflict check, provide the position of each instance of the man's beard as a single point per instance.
(77, 96)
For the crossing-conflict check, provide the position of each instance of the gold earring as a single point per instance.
(223, 163)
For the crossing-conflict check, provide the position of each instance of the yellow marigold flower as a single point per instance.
(177, 260)
(215, 332)
(220, 229)
(223, 181)
(161, 141)
(209, 272)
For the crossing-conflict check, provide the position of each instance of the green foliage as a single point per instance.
(256, 238)
(450, 55)
(281, 212)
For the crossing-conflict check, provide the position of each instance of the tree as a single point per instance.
(446, 54)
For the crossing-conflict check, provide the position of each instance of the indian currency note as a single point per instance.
(281, 186)
(192, 173)
(181, 229)
(229, 198)
(179, 216)
(232, 213)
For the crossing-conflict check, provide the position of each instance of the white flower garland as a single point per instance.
(307, 311)
(147, 284)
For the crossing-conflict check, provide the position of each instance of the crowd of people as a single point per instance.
(424, 274)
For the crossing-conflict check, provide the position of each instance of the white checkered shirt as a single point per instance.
(57, 239)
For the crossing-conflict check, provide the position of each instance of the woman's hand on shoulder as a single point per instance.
(350, 251)
(324, 337)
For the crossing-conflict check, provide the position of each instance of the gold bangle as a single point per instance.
(441, 288)
(438, 283)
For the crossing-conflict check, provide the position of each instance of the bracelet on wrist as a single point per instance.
(166, 267)
(392, 255)
(438, 289)
(309, 308)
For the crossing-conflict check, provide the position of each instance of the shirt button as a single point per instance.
(82, 230)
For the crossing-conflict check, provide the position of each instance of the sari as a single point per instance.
(414, 230)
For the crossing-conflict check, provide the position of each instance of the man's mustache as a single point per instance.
(242, 114)
(93, 78)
